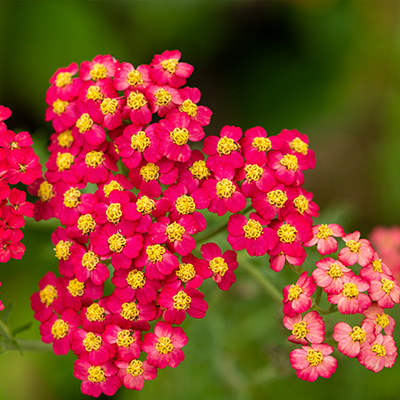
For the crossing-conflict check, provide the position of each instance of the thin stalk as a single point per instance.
(35, 346)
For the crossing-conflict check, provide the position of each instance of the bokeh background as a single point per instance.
(325, 67)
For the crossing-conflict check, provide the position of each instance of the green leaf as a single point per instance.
(6, 312)
(21, 328)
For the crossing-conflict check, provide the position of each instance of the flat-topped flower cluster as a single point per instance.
(128, 190)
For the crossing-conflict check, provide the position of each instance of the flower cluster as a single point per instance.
(128, 190)
(18, 163)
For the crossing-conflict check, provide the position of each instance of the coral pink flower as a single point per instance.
(97, 379)
(126, 341)
(297, 297)
(313, 361)
(356, 251)
(378, 354)
(350, 339)
(287, 168)
(134, 372)
(380, 319)
(386, 291)
(323, 238)
(250, 234)
(164, 346)
(310, 328)
(351, 300)
(329, 275)
(221, 264)
(375, 270)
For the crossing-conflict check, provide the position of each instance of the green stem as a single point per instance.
(25, 345)
(318, 295)
(271, 290)
(5, 332)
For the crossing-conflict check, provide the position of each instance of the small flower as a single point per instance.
(307, 329)
(385, 291)
(329, 275)
(356, 251)
(323, 238)
(133, 373)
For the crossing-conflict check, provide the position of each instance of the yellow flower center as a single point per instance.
(218, 266)
(136, 100)
(301, 204)
(294, 292)
(287, 233)
(48, 294)
(64, 161)
(253, 229)
(95, 313)
(113, 185)
(90, 260)
(387, 285)
(76, 288)
(94, 158)
(175, 231)
(353, 246)
(300, 329)
(225, 189)
(149, 172)
(94, 93)
(277, 198)
(86, 223)
(289, 161)
(164, 345)
(358, 334)
(186, 272)
(179, 136)
(22, 168)
(84, 123)
(335, 271)
(135, 368)
(181, 301)
(59, 329)
(324, 232)
(145, 205)
(261, 143)
(98, 71)
(124, 338)
(134, 78)
(129, 311)
(109, 106)
(189, 108)
(379, 349)
(350, 290)
(382, 320)
(299, 146)
(163, 97)
(65, 139)
(136, 279)
(199, 170)
(314, 357)
(377, 265)
(226, 145)
(92, 341)
(63, 79)
(140, 141)
(62, 249)
(45, 191)
(185, 205)
(253, 172)
(116, 242)
(14, 145)
(114, 213)
(170, 65)
(96, 374)
(59, 106)
(155, 253)
(71, 198)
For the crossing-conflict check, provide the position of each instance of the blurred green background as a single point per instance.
(327, 68)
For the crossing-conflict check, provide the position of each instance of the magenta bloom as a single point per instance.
(380, 319)
(356, 251)
(351, 300)
(255, 145)
(97, 379)
(250, 234)
(329, 275)
(162, 99)
(313, 361)
(128, 342)
(378, 354)
(323, 238)
(350, 339)
(66, 87)
(100, 67)
(307, 329)
(10, 141)
(127, 77)
(221, 265)
(134, 372)
(287, 168)
(23, 166)
(386, 291)
(273, 203)
(297, 297)
(164, 346)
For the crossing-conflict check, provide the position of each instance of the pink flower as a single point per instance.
(375, 270)
(128, 342)
(164, 346)
(356, 251)
(255, 145)
(23, 166)
(66, 87)
(287, 168)
(329, 275)
(380, 319)
(326, 244)
(313, 361)
(134, 372)
(386, 291)
(310, 328)
(100, 67)
(297, 297)
(127, 77)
